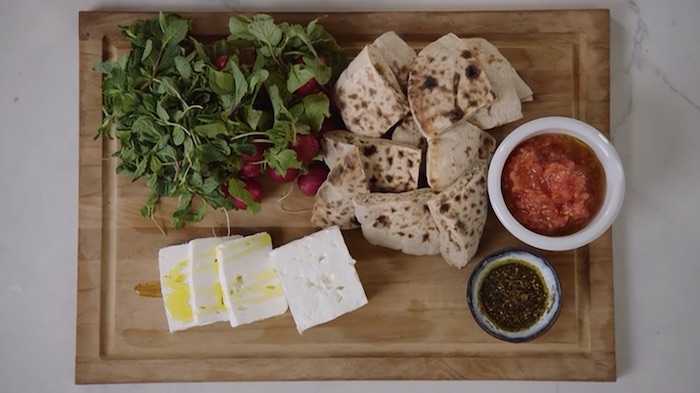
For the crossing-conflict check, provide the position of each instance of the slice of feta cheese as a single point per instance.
(319, 278)
(207, 296)
(251, 287)
(175, 286)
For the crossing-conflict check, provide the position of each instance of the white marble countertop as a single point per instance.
(655, 55)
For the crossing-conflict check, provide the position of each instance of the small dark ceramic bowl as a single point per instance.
(549, 277)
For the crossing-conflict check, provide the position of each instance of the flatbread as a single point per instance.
(450, 154)
(487, 145)
(389, 166)
(333, 204)
(399, 221)
(407, 132)
(397, 54)
(505, 83)
(446, 85)
(369, 96)
(460, 215)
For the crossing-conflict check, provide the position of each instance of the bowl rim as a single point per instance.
(494, 257)
(606, 154)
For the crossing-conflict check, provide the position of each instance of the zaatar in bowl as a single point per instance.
(514, 295)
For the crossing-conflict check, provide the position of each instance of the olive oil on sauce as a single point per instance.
(513, 296)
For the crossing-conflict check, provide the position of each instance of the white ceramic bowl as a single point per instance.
(614, 186)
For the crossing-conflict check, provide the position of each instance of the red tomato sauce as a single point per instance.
(553, 184)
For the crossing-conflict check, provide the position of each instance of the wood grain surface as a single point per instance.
(416, 325)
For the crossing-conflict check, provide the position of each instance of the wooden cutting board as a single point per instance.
(416, 325)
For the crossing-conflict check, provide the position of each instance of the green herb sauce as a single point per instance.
(513, 296)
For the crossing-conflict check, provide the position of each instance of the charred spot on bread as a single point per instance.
(383, 221)
(430, 83)
(456, 114)
(472, 72)
(369, 150)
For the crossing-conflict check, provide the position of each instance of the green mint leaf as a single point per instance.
(316, 109)
(162, 21)
(162, 113)
(168, 153)
(238, 26)
(281, 159)
(221, 82)
(199, 214)
(146, 129)
(178, 136)
(277, 101)
(183, 67)
(196, 180)
(322, 73)
(155, 164)
(252, 116)
(211, 130)
(189, 148)
(236, 188)
(257, 78)
(240, 83)
(147, 50)
(298, 32)
(104, 67)
(298, 77)
(263, 28)
(210, 185)
(176, 30)
(141, 168)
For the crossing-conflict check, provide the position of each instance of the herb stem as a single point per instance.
(247, 134)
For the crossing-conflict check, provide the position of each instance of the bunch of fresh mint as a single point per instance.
(187, 113)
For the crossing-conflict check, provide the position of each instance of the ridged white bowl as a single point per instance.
(608, 157)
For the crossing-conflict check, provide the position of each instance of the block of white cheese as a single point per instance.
(251, 287)
(319, 278)
(175, 280)
(207, 296)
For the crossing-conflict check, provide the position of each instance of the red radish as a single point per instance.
(307, 88)
(290, 175)
(252, 186)
(257, 156)
(250, 170)
(220, 62)
(306, 147)
(310, 181)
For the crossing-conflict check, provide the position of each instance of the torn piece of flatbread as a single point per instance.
(460, 215)
(398, 54)
(407, 132)
(333, 204)
(369, 96)
(399, 221)
(446, 85)
(506, 84)
(454, 151)
(389, 166)
(450, 154)
(492, 54)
